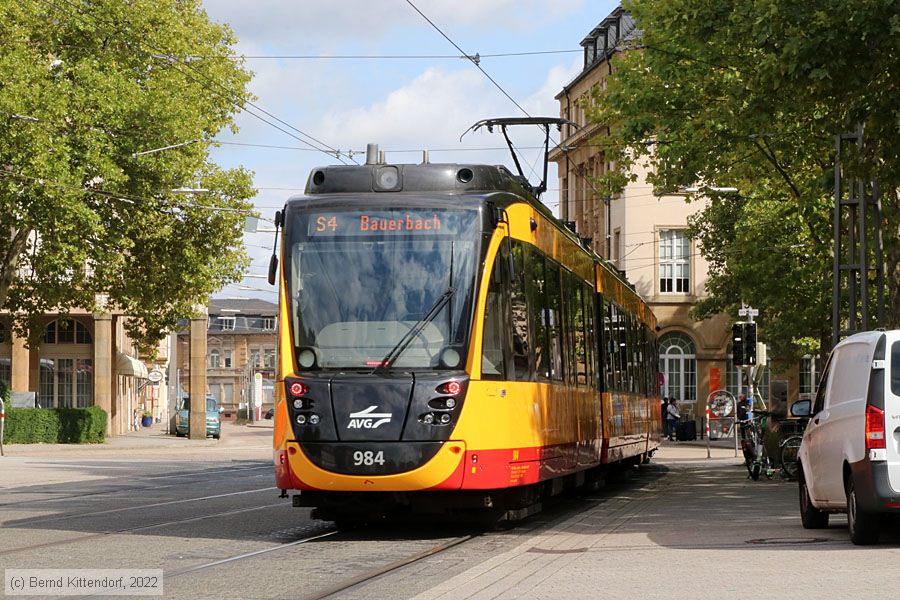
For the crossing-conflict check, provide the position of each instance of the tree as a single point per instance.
(750, 95)
(86, 85)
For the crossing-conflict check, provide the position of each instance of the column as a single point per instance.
(103, 363)
(199, 324)
(21, 364)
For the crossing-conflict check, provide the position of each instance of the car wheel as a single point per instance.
(179, 434)
(864, 526)
(216, 436)
(812, 517)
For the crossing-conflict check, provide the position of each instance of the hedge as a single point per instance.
(53, 425)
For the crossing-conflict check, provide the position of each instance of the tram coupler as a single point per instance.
(283, 493)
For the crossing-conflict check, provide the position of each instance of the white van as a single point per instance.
(850, 455)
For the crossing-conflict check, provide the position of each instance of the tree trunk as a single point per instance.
(9, 260)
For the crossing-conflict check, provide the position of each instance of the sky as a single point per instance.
(404, 105)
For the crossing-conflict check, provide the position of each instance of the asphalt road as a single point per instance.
(211, 520)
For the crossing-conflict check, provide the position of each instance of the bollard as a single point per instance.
(708, 415)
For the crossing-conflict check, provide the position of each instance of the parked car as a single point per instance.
(213, 417)
(850, 454)
(270, 413)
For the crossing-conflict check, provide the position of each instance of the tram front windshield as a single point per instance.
(360, 281)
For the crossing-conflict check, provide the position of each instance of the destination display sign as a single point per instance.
(388, 222)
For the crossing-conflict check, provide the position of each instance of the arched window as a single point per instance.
(678, 363)
(67, 331)
(214, 359)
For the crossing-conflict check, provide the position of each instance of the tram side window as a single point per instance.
(537, 309)
(612, 347)
(493, 355)
(519, 305)
(554, 320)
(590, 335)
(633, 354)
(568, 285)
(581, 377)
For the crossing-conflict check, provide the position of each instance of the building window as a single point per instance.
(66, 383)
(227, 359)
(214, 359)
(254, 358)
(66, 331)
(810, 371)
(269, 323)
(674, 262)
(617, 247)
(269, 357)
(227, 323)
(678, 364)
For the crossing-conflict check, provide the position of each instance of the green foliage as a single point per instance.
(750, 95)
(55, 425)
(84, 86)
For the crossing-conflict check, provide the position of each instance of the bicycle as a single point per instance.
(790, 450)
(756, 459)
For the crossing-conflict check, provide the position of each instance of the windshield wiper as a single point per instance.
(407, 338)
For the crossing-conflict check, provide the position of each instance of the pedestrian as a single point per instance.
(742, 407)
(662, 414)
(672, 417)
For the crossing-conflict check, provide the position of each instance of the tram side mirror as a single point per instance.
(279, 218)
(801, 408)
(273, 269)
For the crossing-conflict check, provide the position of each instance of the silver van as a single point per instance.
(850, 455)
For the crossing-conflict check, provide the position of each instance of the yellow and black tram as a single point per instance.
(446, 344)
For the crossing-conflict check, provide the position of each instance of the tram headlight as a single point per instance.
(306, 358)
(298, 403)
(313, 419)
(301, 419)
(450, 402)
(445, 418)
(428, 419)
(450, 358)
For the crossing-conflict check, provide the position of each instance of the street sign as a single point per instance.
(748, 312)
(155, 376)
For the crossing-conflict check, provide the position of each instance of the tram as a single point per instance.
(446, 344)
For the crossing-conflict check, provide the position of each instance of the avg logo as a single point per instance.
(367, 419)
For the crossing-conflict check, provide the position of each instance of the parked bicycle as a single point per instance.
(790, 446)
(753, 433)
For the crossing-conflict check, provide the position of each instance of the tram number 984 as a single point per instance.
(368, 458)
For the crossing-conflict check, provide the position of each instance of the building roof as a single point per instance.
(603, 41)
(252, 306)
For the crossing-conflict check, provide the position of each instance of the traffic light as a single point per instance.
(743, 344)
(750, 344)
(737, 344)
